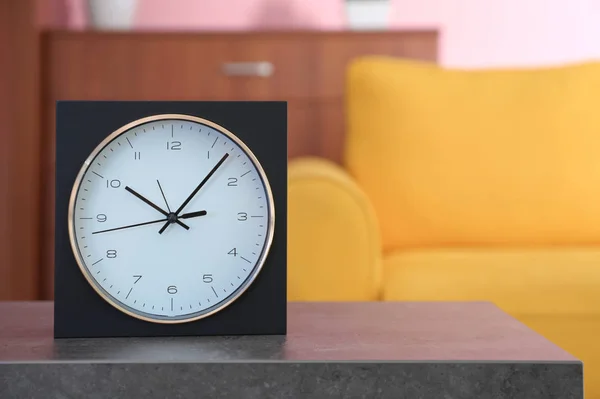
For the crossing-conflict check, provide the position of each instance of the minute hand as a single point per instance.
(202, 183)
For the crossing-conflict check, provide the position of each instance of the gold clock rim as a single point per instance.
(77, 184)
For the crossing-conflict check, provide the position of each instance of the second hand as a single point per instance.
(129, 226)
(185, 216)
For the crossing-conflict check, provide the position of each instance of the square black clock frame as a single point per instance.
(79, 312)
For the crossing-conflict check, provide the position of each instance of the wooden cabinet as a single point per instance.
(307, 69)
(19, 152)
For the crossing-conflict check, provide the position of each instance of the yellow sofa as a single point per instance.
(460, 185)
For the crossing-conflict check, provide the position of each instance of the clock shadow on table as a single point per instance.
(172, 349)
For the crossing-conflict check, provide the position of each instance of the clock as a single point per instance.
(169, 224)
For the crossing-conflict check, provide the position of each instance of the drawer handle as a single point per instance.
(262, 69)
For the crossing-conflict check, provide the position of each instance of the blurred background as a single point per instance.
(438, 149)
(124, 49)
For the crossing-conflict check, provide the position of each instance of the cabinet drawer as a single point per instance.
(210, 67)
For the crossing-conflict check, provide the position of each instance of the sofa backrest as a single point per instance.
(476, 158)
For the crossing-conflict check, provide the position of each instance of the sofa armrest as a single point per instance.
(334, 250)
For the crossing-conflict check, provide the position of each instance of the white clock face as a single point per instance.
(171, 218)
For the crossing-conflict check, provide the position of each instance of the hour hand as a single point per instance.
(153, 205)
(192, 215)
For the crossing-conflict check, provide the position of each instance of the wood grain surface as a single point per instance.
(20, 141)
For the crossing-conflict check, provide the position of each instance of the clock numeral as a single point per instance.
(242, 216)
(232, 181)
(137, 155)
(172, 289)
(233, 252)
(101, 218)
(111, 253)
(207, 278)
(137, 278)
(174, 145)
(113, 184)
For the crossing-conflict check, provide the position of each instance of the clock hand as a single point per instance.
(184, 216)
(192, 215)
(163, 194)
(154, 206)
(129, 226)
(202, 183)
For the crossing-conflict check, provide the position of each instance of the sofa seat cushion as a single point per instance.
(520, 281)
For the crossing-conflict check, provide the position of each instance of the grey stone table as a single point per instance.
(341, 350)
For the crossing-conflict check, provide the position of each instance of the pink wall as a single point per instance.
(504, 33)
(475, 33)
(221, 14)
